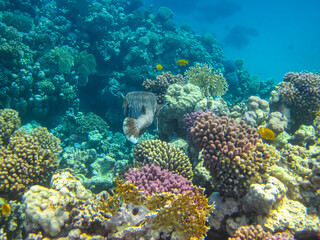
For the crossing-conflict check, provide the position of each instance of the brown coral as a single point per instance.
(232, 152)
(160, 85)
(249, 233)
(25, 162)
(164, 155)
(9, 122)
(301, 93)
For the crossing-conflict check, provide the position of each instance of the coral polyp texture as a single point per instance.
(153, 179)
(300, 92)
(27, 159)
(160, 85)
(9, 122)
(232, 152)
(211, 83)
(165, 155)
(257, 233)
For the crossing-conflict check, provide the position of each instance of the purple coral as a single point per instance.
(220, 134)
(189, 120)
(301, 93)
(152, 179)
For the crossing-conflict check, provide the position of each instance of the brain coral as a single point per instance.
(301, 93)
(9, 122)
(232, 152)
(180, 100)
(164, 155)
(153, 179)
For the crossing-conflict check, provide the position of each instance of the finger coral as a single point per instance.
(26, 161)
(250, 232)
(164, 155)
(153, 179)
(230, 152)
(9, 122)
(300, 92)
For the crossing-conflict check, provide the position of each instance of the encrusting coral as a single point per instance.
(165, 155)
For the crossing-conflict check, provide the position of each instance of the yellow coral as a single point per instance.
(185, 214)
(211, 83)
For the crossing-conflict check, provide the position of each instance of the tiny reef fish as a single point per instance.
(182, 62)
(159, 67)
(5, 209)
(266, 133)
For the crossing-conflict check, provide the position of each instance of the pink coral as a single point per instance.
(153, 179)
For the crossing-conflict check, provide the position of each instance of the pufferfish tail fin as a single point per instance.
(131, 129)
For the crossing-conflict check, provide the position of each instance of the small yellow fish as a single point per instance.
(182, 62)
(318, 113)
(5, 209)
(159, 67)
(266, 133)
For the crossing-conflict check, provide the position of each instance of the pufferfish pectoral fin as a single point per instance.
(131, 129)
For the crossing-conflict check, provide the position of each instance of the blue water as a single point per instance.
(273, 37)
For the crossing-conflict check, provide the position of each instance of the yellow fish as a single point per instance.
(266, 133)
(182, 62)
(5, 209)
(318, 113)
(159, 67)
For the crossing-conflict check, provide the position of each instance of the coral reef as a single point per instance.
(211, 83)
(152, 179)
(160, 85)
(165, 155)
(301, 94)
(180, 100)
(9, 122)
(231, 152)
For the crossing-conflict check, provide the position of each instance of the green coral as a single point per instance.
(211, 83)
(84, 64)
(17, 20)
(9, 122)
(60, 58)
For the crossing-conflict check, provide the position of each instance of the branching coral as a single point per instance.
(9, 122)
(24, 162)
(301, 93)
(183, 215)
(232, 152)
(211, 83)
(153, 179)
(164, 155)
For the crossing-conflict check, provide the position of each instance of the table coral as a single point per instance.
(164, 155)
